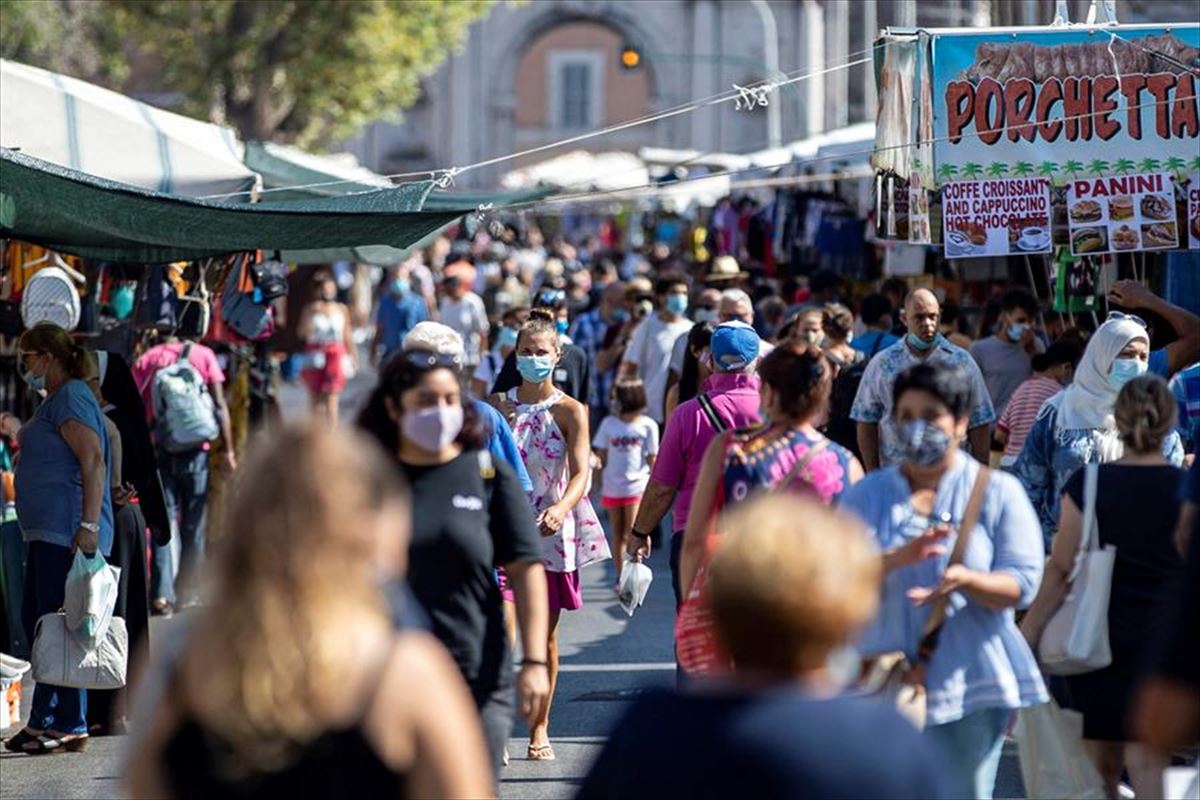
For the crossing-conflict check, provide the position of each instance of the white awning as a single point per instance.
(91, 129)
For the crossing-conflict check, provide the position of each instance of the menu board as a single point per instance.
(1122, 213)
(1006, 216)
(918, 216)
(1193, 210)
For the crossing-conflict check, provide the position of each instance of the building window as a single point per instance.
(576, 89)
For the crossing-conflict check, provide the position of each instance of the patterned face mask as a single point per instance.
(922, 443)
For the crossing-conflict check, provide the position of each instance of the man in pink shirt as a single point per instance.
(729, 399)
(184, 475)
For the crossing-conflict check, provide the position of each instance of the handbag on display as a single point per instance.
(893, 675)
(60, 659)
(1075, 639)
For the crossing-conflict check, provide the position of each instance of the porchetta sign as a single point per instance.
(1066, 104)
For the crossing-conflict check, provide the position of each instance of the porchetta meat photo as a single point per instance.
(1003, 62)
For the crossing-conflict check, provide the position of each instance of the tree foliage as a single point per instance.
(308, 71)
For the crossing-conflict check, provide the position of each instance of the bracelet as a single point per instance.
(94, 527)
(639, 534)
(530, 662)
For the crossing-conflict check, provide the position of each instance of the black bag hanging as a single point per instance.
(270, 279)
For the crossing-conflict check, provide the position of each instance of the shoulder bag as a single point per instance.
(892, 675)
(696, 646)
(1075, 639)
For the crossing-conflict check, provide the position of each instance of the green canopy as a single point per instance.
(438, 201)
(283, 167)
(96, 218)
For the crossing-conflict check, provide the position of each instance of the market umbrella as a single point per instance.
(97, 218)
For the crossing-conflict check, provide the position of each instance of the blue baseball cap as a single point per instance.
(734, 346)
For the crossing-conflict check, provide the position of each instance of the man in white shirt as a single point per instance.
(463, 311)
(649, 353)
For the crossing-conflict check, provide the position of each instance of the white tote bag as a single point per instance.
(1076, 637)
(1053, 761)
(60, 659)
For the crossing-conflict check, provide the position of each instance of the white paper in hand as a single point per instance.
(635, 583)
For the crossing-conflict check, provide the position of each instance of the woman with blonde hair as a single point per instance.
(1136, 506)
(791, 584)
(293, 680)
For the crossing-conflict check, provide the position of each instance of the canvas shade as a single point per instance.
(283, 167)
(96, 218)
(82, 126)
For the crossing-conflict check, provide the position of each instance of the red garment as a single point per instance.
(330, 377)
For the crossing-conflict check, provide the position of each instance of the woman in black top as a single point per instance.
(1137, 505)
(469, 517)
(294, 682)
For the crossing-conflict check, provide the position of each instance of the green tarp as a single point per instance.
(283, 167)
(96, 218)
(438, 200)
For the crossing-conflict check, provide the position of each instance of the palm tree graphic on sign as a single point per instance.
(1124, 166)
(1175, 164)
(971, 170)
(1022, 168)
(1097, 166)
(1196, 163)
(1073, 167)
(1047, 169)
(948, 171)
(1150, 164)
(997, 169)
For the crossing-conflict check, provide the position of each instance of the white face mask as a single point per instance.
(433, 429)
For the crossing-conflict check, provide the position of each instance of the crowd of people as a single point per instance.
(830, 471)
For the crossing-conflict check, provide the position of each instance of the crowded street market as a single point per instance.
(628, 454)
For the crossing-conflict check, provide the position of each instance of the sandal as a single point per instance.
(540, 752)
(50, 742)
(16, 743)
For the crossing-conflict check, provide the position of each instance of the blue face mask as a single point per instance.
(507, 337)
(921, 443)
(920, 344)
(535, 369)
(400, 286)
(677, 304)
(561, 326)
(1016, 331)
(1124, 370)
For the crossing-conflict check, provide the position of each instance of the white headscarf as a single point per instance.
(1088, 402)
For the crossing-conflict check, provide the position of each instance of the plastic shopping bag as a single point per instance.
(635, 582)
(1053, 761)
(91, 596)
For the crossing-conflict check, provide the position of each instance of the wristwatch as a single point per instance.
(94, 527)
(639, 534)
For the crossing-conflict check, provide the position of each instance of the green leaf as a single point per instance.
(1047, 168)
(1098, 166)
(1022, 168)
(1150, 164)
(1073, 167)
(1123, 166)
(971, 170)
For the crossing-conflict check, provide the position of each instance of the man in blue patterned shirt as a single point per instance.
(588, 334)
(872, 408)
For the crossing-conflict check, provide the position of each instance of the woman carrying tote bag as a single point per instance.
(1136, 506)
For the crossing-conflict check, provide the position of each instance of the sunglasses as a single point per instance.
(550, 297)
(426, 360)
(1134, 318)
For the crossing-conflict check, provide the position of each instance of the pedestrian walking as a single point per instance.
(648, 355)
(505, 344)
(400, 310)
(875, 311)
(1005, 358)
(1052, 370)
(463, 310)
(294, 682)
(552, 433)
(777, 727)
(729, 399)
(573, 371)
(979, 668)
(469, 516)
(878, 441)
(329, 350)
(1137, 504)
(627, 444)
(837, 323)
(182, 383)
(1077, 427)
(785, 453)
(63, 505)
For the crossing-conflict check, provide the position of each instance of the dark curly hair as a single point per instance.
(399, 375)
(800, 376)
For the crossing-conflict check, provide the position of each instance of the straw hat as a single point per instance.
(724, 268)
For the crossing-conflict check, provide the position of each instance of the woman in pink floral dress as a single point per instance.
(552, 433)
